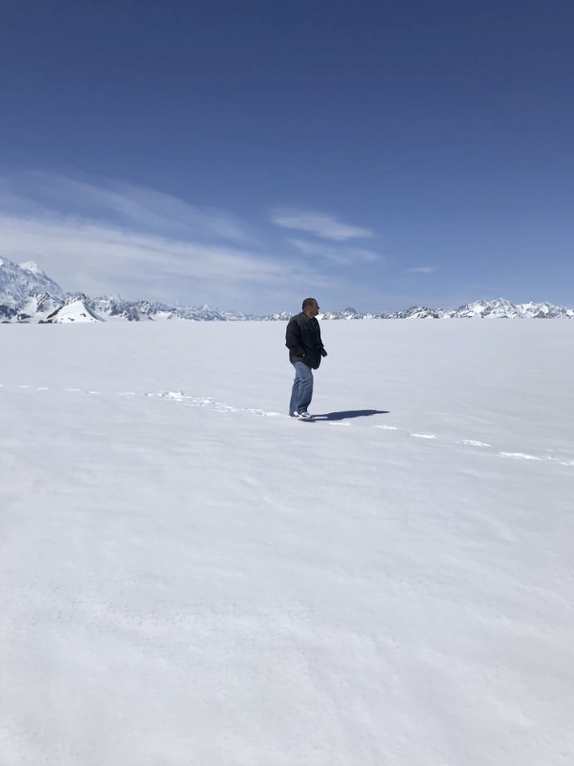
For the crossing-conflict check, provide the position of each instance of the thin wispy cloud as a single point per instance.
(70, 240)
(141, 207)
(321, 225)
(421, 270)
(142, 243)
(340, 256)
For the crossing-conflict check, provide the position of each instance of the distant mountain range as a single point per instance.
(27, 294)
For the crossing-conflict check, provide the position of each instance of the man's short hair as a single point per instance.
(308, 302)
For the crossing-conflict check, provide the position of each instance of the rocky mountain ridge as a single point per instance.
(28, 295)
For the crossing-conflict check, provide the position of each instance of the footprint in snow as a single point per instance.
(562, 462)
(473, 443)
(224, 407)
(519, 455)
(264, 414)
(191, 401)
(178, 395)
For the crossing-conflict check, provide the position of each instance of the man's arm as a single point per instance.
(322, 350)
(293, 338)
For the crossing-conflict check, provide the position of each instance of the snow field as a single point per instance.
(190, 576)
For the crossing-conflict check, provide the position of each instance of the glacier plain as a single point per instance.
(189, 576)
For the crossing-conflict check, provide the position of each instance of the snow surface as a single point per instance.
(189, 576)
(33, 267)
(74, 311)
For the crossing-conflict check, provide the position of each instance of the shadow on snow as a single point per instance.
(347, 414)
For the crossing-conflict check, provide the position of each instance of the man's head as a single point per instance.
(310, 307)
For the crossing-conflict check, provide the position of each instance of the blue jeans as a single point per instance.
(302, 392)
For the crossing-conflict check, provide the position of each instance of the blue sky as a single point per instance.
(248, 154)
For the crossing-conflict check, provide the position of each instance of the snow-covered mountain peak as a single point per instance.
(32, 267)
(74, 310)
(495, 308)
(19, 282)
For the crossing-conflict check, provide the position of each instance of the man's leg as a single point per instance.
(302, 392)
(306, 392)
(294, 394)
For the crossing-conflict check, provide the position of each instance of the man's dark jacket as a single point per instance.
(303, 339)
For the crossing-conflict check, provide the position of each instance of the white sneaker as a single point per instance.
(305, 415)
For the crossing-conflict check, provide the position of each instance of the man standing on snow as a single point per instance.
(303, 339)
